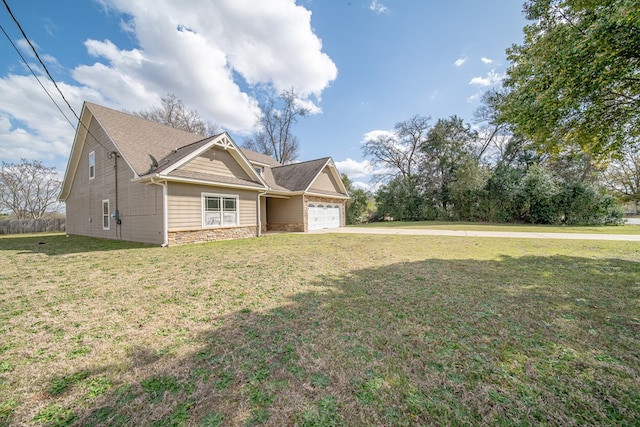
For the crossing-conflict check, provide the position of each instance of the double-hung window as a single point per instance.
(92, 165)
(219, 210)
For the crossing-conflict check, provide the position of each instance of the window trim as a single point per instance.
(203, 198)
(106, 216)
(92, 165)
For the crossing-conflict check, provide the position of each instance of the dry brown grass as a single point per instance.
(319, 330)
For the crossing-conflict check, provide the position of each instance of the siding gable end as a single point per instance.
(217, 162)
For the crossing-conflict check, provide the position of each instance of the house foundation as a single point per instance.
(182, 237)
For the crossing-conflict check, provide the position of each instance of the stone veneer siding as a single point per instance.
(210, 234)
(289, 227)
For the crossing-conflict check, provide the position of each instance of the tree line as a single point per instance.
(449, 171)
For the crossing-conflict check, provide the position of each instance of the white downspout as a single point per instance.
(165, 212)
(259, 213)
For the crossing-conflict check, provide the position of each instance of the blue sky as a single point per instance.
(362, 65)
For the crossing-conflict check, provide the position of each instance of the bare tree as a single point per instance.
(398, 153)
(274, 136)
(172, 112)
(29, 189)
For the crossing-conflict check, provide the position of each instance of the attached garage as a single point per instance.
(323, 216)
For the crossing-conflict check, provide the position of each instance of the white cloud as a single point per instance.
(473, 98)
(377, 134)
(353, 168)
(197, 52)
(460, 62)
(492, 78)
(359, 185)
(266, 43)
(486, 60)
(30, 124)
(378, 7)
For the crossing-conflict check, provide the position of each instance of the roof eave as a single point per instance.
(76, 152)
(161, 177)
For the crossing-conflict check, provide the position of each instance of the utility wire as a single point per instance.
(39, 59)
(36, 76)
(50, 77)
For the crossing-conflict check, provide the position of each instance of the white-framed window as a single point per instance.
(219, 210)
(106, 221)
(258, 170)
(92, 165)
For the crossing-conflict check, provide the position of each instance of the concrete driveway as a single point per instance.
(463, 233)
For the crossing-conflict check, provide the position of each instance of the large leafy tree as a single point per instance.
(449, 145)
(29, 189)
(575, 80)
(274, 136)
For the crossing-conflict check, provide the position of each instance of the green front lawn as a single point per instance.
(319, 330)
(476, 226)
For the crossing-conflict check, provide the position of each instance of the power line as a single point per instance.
(48, 74)
(39, 59)
(36, 76)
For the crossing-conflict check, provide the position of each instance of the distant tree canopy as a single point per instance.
(29, 189)
(575, 79)
(274, 135)
(453, 181)
(172, 112)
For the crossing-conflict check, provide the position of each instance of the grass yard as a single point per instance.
(320, 330)
(529, 228)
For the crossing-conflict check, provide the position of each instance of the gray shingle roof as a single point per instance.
(298, 176)
(137, 138)
(254, 156)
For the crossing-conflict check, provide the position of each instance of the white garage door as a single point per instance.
(323, 216)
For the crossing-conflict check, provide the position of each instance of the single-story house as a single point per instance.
(132, 179)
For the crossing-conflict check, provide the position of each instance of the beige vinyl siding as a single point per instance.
(140, 205)
(285, 211)
(216, 162)
(185, 205)
(325, 182)
(84, 204)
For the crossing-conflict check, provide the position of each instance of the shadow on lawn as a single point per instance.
(432, 342)
(61, 244)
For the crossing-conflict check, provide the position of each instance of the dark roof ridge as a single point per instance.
(306, 161)
(198, 141)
